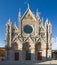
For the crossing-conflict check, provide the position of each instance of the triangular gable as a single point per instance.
(15, 38)
(28, 15)
(28, 40)
(39, 39)
(19, 43)
(42, 28)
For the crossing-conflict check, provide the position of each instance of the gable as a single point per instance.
(29, 40)
(28, 15)
(42, 28)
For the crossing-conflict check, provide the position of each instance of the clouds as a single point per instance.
(54, 43)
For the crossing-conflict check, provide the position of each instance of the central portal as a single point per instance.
(28, 55)
(27, 51)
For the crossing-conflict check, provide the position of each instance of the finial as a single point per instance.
(37, 10)
(14, 23)
(37, 14)
(19, 12)
(28, 5)
(47, 21)
(9, 20)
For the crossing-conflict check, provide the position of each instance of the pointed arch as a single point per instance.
(27, 51)
(26, 46)
(15, 46)
(18, 42)
(38, 46)
(38, 52)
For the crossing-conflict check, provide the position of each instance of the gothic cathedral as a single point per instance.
(31, 40)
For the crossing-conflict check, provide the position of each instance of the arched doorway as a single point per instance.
(26, 48)
(38, 52)
(16, 56)
(15, 46)
(28, 55)
(39, 56)
(16, 52)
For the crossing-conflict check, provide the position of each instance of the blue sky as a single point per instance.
(10, 8)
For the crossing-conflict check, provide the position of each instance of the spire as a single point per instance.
(15, 24)
(19, 17)
(15, 27)
(50, 23)
(9, 21)
(37, 15)
(50, 26)
(28, 5)
(8, 32)
(42, 20)
(19, 14)
(19, 20)
(47, 21)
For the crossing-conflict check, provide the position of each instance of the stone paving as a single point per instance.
(27, 63)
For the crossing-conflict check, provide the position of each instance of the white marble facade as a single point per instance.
(30, 40)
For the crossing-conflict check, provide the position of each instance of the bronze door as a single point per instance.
(28, 55)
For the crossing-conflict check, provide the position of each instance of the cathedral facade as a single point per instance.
(31, 40)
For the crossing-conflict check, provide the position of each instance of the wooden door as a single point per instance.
(16, 56)
(56, 55)
(39, 56)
